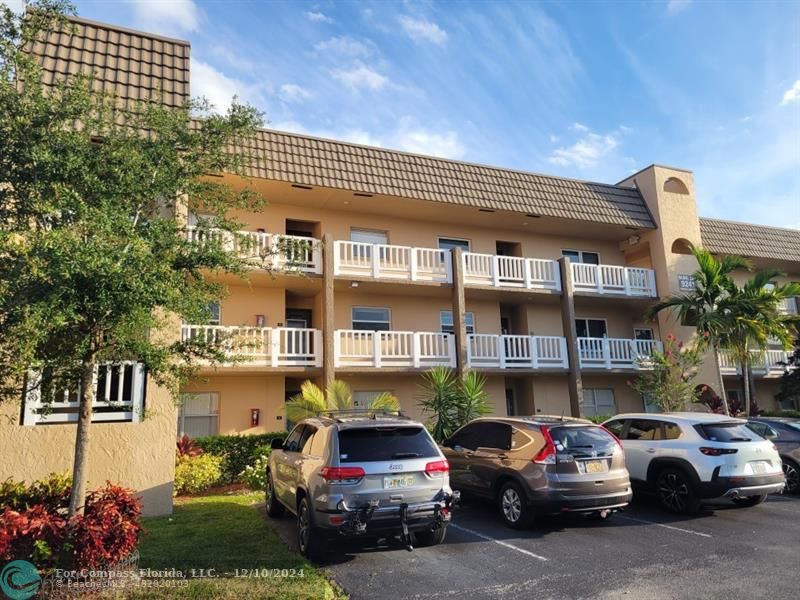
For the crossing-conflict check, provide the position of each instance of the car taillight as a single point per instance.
(547, 455)
(709, 451)
(342, 474)
(439, 467)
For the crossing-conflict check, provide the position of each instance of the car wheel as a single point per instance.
(514, 506)
(749, 500)
(430, 537)
(676, 493)
(309, 537)
(274, 506)
(791, 471)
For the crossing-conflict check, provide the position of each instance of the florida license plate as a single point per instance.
(397, 481)
(759, 467)
(595, 466)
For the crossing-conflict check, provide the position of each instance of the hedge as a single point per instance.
(791, 414)
(238, 450)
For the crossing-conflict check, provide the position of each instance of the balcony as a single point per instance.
(263, 346)
(516, 351)
(397, 263)
(272, 251)
(511, 272)
(615, 353)
(763, 364)
(613, 280)
(416, 349)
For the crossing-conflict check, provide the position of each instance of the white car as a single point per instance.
(690, 457)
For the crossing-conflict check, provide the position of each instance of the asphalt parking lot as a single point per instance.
(722, 552)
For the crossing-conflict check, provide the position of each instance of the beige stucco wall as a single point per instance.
(140, 456)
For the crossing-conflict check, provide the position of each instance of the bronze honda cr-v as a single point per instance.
(539, 465)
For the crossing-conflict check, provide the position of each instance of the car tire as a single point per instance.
(514, 506)
(791, 470)
(274, 507)
(430, 537)
(310, 539)
(750, 500)
(676, 491)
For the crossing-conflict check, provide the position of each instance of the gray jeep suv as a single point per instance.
(351, 473)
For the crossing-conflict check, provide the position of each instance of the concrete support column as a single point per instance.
(574, 382)
(459, 311)
(328, 370)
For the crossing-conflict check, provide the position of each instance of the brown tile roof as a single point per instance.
(745, 239)
(328, 163)
(131, 64)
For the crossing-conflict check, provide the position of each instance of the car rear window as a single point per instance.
(727, 432)
(582, 441)
(385, 443)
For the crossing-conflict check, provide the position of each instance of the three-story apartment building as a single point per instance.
(392, 263)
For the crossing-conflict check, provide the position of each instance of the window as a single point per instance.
(671, 431)
(213, 310)
(598, 401)
(579, 256)
(446, 321)
(199, 414)
(615, 427)
(292, 443)
(385, 443)
(371, 319)
(467, 437)
(591, 328)
(496, 436)
(363, 399)
(642, 333)
(650, 405)
(369, 236)
(450, 243)
(760, 428)
(644, 429)
(307, 440)
(582, 442)
(519, 439)
(726, 432)
(318, 443)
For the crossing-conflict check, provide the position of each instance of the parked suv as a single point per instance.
(352, 473)
(539, 465)
(785, 434)
(690, 457)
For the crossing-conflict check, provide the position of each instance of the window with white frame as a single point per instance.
(369, 236)
(598, 401)
(580, 256)
(447, 325)
(450, 243)
(595, 328)
(642, 333)
(213, 313)
(199, 414)
(363, 398)
(366, 318)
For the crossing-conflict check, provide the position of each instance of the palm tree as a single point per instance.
(312, 401)
(451, 401)
(710, 305)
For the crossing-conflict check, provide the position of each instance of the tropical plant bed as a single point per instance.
(229, 534)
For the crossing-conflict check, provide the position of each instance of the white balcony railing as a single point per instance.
(516, 351)
(511, 272)
(383, 261)
(267, 346)
(612, 279)
(762, 364)
(119, 396)
(277, 252)
(615, 353)
(418, 349)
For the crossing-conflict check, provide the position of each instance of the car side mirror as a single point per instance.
(276, 444)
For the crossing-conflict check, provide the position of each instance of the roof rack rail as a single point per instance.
(371, 413)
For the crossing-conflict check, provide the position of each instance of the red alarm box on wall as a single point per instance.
(255, 416)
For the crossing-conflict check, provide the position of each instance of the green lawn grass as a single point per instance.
(225, 532)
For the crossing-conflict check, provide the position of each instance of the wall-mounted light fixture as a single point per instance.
(261, 320)
(353, 284)
(633, 240)
(255, 417)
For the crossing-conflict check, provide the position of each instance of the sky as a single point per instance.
(590, 90)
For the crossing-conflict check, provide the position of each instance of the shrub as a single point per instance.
(187, 447)
(255, 475)
(791, 414)
(599, 419)
(52, 492)
(108, 530)
(238, 450)
(197, 473)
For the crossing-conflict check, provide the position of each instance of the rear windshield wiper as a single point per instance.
(740, 440)
(406, 455)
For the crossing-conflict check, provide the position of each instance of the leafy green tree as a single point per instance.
(95, 265)
(452, 402)
(668, 378)
(789, 390)
(312, 401)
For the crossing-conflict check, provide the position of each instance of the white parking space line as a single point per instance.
(664, 525)
(502, 543)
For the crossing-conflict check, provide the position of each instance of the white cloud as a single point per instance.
(590, 149)
(676, 6)
(318, 17)
(170, 18)
(342, 46)
(792, 94)
(16, 6)
(360, 76)
(291, 92)
(421, 141)
(554, 138)
(420, 30)
(579, 127)
(218, 88)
